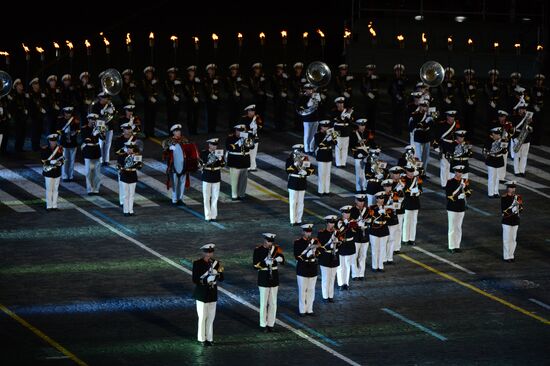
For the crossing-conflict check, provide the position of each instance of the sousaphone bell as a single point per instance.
(111, 81)
(6, 83)
(318, 74)
(432, 73)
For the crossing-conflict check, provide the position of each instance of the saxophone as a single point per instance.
(525, 131)
(212, 158)
(58, 162)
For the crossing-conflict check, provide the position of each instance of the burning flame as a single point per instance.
(424, 39)
(305, 34)
(174, 38)
(56, 45)
(69, 44)
(539, 47)
(4, 53)
(347, 33)
(449, 40)
(262, 35)
(215, 37)
(39, 49)
(400, 38)
(372, 31)
(320, 33)
(151, 35)
(106, 41)
(239, 35)
(495, 45)
(196, 39)
(517, 45)
(87, 44)
(128, 39)
(283, 33)
(25, 48)
(470, 41)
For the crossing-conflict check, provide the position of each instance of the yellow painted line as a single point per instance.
(476, 289)
(155, 140)
(40, 334)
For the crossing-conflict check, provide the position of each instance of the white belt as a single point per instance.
(87, 144)
(379, 222)
(267, 269)
(310, 260)
(238, 153)
(341, 124)
(129, 170)
(297, 175)
(216, 168)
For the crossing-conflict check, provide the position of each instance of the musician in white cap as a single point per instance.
(398, 185)
(493, 93)
(537, 94)
(396, 91)
(469, 88)
(494, 151)
(308, 108)
(507, 129)
(280, 86)
(379, 233)
(173, 94)
(421, 127)
(458, 152)
(329, 260)
(444, 133)
(52, 159)
(174, 156)
(343, 81)
(254, 123)
(412, 188)
(106, 111)
(258, 87)
(191, 87)
(207, 271)
(342, 118)
(521, 140)
(325, 140)
(150, 91)
(37, 111)
(212, 163)
(369, 88)
(91, 134)
(238, 146)
(393, 203)
(212, 86)
(306, 251)
(128, 164)
(347, 228)
(68, 130)
(511, 205)
(298, 80)
(234, 86)
(359, 213)
(266, 259)
(360, 141)
(456, 190)
(298, 169)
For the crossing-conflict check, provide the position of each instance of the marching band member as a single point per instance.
(369, 87)
(253, 123)
(306, 251)
(207, 271)
(379, 233)
(298, 168)
(257, 83)
(128, 92)
(149, 89)
(211, 179)
(359, 213)
(513, 89)
(324, 142)
(445, 131)
(133, 120)
(343, 119)
(19, 109)
(420, 125)
(493, 93)
(91, 134)
(68, 130)
(494, 150)
(38, 105)
(127, 136)
(458, 152)
(511, 205)
(173, 95)
(106, 111)
(191, 87)
(522, 137)
(347, 229)
(375, 174)
(86, 93)
(279, 86)
(211, 83)
(298, 81)
(448, 89)
(359, 142)
(52, 158)
(238, 161)
(69, 95)
(174, 156)
(266, 259)
(411, 203)
(329, 259)
(343, 82)
(457, 190)
(308, 108)
(53, 94)
(507, 132)
(398, 193)
(234, 86)
(469, 95)
(128, 164)
(4, 120)
(392, 201)
(397, 92)
(537, 100)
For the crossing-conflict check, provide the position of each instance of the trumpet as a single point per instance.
(57, 163)
(100, 128)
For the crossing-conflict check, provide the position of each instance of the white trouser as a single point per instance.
(323, 176)
(210, 194)
(306, 293)
(310, 129)
(370, 199)
(360, 179)
(129, 192)
(253, 153)
(206, 312)
(520, 158)
(378, 250)
(455, 228)
(422, 152)
(178, 187)
(239, 179)
(268, 305)
(409, 225)
(341, 150)
(501, 170)
(509, 234)
(120, 191)
(52, 189)
(93, 175)
(344, 269)
(105, 146)
(358, 265)
(328, 277)
(67, 170)
(492, 180)
(444, 170)
(1, 138)
(296, 205)
(393, 239)
(398, 233)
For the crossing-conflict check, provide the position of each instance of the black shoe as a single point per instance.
(345, 287)
(396, 252)
(412, 243)
(213, 220)
(390, 263)
(132, 214)
(48, 209)
(302, 315)
(234, 199)
(330, 299)
(512, 260)
(496, 196)
(311, 314)
(263, 329)
(270, 329)
(355, 278)
(451, 250)
(374, 270)
(203, 344)
(298, 224)
(380, 270)
(208, 343)
(457, 250)
(360, 278)
(55, 209)
(126, 214)
(105, 163)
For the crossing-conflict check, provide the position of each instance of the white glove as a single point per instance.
(177, 82)
(370, 95)
(381, 211)
(302, 173)
(56, 107)
(537, 108)
(237, 94)
(399, 97)
(316, 97)
(461, 196)
(210, 278)
(269, 262)
(470, 101)
(283, 95)
(176, 98)
(172, 147)
(285, 76)
(42, 110)
(495, 88)
(53, 162)
(323, 97)
(349, 77)
(347, 95)
(197, 80)
(360, 155)
(1, 111)
(239, 79)
(132, 85)
(214, 97)
(131, 101)
(493, 104)
(515, 210)
(195, 100)
(253, 125)
(215, 81)
(279, 259)
(471, 87)
(154, 81)
(153, 100)
(240, 142)
(414, 190)
(448, 100)
(262, 78)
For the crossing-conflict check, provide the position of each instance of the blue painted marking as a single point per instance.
(130, 304)
(414, 324)
(200, 216)
(114, 222)
(309, 330)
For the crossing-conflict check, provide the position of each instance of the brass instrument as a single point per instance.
(132, 161)
(318, 74)
(432, 73)
(377, 166)
(211, 276)
(213, 157)
(6, 83)
(525, 131)
(111, 81)
(496, 148)
(100, 128)
(49, 167)
(301, 161)
(247, 141)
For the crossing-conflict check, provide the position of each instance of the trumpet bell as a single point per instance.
(432, 73)
(6, 83)
(318, 73)
(111, 81)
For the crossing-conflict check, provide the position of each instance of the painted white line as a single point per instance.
(326, 206)
(543, 148)
(540, 303)
(56, 357)
(221, 289)
(457, 266)
(414, 324)
(13, 203)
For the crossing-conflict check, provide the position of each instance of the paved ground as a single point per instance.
(107, 289)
